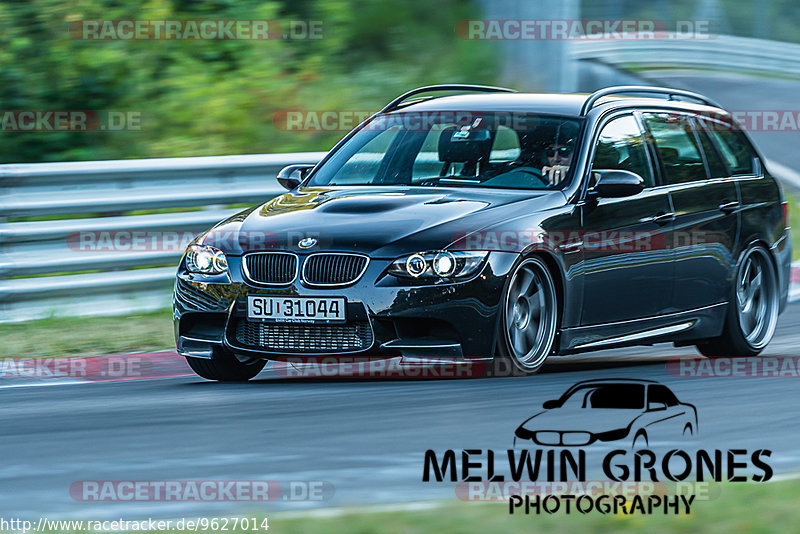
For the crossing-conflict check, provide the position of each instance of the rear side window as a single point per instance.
(716, 169)
(659, 393)
(734, 147)
(676, 144)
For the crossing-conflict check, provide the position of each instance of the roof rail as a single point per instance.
(664, 91)
(394, 104)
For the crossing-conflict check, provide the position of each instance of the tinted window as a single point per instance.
(455, 149)
(621, 146)
(716, 169)
(365, 165)
(662, 394)
(427, 163)
(734, 146)
(505, 147)
(677, 147)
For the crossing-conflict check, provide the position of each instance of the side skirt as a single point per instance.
(699, 323)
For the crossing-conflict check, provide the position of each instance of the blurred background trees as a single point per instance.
(219, 97)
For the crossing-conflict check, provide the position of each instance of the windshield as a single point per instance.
(502, 150)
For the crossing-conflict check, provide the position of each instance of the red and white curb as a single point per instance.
(794, 284)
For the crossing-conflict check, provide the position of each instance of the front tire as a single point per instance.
(528, 322)
(752, 309)
(224, 367)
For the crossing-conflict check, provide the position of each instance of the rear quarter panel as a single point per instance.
(762, 221)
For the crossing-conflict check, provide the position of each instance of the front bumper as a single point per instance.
(390, 316)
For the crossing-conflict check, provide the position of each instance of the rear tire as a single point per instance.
(528, 320)
(752, 312)
(224, 367)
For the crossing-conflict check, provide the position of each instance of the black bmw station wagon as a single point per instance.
(470, 223)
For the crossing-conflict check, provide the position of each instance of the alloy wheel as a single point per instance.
(757, 298)
(530, 315)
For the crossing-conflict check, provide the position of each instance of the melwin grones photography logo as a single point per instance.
(625, 430)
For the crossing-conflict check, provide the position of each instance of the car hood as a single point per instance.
(380, 221)
(595, 420)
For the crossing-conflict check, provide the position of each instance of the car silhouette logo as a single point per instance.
(637, 411)
(307, 242)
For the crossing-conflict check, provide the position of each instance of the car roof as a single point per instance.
(614, 381)
(567, 104)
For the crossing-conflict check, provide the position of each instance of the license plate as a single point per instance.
(296, 309)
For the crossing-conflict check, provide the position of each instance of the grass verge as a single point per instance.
(87, 336)
(750, 508)
(740, 508)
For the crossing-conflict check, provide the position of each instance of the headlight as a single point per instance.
(438, 264)
(206, 260)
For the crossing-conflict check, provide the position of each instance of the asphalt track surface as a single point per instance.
(366, 437)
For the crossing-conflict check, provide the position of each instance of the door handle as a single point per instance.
(728, 207)
(661, 219)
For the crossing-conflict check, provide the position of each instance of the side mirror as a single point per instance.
(291, 176)
(616, 183)
(549, 405)
(656, 406)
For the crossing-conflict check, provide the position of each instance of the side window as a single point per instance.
(506, 146)
(734, 146)
(621, 146)
(662, 394)
(716, 169)
(677, 147)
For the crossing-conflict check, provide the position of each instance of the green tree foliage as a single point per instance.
(220, 97)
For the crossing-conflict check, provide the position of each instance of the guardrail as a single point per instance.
(43, 267)
(723, 52)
